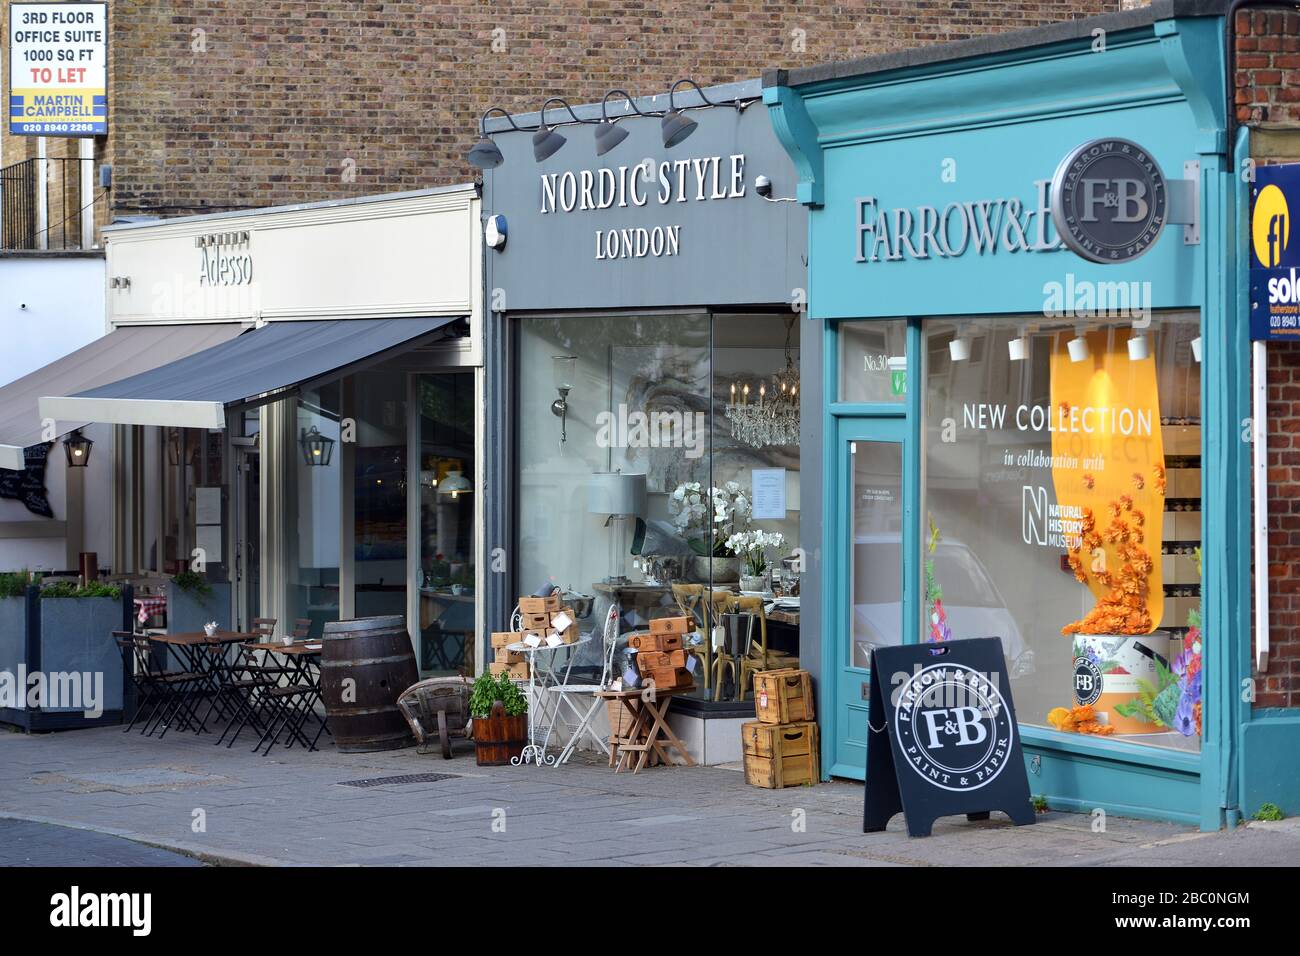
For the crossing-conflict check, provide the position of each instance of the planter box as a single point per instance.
(65, 636)
(189, 612)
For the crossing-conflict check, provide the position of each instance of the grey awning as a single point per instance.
(194, 392)
(122, 352)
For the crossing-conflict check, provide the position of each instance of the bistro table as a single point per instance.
(649, 737)
(303, 671)
(198, 653)
(539, 724)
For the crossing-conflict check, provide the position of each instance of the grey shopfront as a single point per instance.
(629, 297)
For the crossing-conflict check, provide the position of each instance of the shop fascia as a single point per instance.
(698, 179)
(987, 225)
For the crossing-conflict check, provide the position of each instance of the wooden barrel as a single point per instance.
(365, 666)
(498, 738)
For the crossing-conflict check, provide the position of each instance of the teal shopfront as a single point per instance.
(1021, 440)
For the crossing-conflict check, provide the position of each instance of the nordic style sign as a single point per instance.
(1109, 200)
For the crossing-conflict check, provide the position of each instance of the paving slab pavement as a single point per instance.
(292, 808)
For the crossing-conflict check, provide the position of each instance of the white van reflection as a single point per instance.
(972, 601)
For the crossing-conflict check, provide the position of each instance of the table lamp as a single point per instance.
(618, 497)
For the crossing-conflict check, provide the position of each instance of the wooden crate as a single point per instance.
(669, 625)
(536, 605)
(780, 755)
(502, 638)
(504, 656)
(536, 622)
(783, 696)
(669, 678)
(517, 671)
(655, 642)
(656, 660)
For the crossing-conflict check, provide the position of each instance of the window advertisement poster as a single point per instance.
(1274, 254)
(58, 69)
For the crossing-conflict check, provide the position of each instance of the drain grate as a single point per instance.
(398, 780)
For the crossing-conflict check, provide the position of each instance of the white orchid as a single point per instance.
(752, 548)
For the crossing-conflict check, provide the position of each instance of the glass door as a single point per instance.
(874, 573)
(248, 535)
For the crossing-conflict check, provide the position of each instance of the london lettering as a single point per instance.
(701, 179)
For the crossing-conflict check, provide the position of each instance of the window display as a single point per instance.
(1061, 514)
(656, 471)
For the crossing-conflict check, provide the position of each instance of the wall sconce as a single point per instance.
(565, 369)
(77, 447)
(1078, 346)
(317, 449)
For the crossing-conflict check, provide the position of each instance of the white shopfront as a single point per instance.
(320, 460)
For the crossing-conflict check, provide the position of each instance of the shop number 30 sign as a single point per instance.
(58, 69)
(942, 737)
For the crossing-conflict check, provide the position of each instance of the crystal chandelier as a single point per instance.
(768, 416)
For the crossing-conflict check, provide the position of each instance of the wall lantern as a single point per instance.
(317, 449)
(77, 447)
(565, 369)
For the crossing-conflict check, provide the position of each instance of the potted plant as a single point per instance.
(499, 711)
(751, 548)
(706, 519)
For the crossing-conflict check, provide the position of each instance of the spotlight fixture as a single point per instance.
(1139, 346)
(608, 133)
(485, 154)
(1018, 348)
(1196, 349)
(1078, 346)
(676, 125)
(77, 447)
(959, 348)
(546, 141)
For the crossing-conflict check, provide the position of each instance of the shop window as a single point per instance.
(624, 424)
(314, 587)
(448, 499)
(1062, 514)
(873, 361)
(379, 493)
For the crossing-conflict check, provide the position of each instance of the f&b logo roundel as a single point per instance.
(1087, 681)
(1109, 200)
(954, 727)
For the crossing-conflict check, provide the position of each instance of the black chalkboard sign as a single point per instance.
(942, 736)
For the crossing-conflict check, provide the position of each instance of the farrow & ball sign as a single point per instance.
(1109, 200)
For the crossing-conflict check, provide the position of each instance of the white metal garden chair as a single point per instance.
(566, 692)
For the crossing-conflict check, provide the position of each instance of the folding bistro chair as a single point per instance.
(164, 694)
(566, 691)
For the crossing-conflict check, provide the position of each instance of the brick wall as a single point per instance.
(220, 104)
(1268, 100)
(1268, 66)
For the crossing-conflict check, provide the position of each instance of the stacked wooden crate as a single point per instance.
(781, 747)
(548, 620)
(506, 661)
(660, 655)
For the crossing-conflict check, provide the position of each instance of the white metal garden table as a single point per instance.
(540, 723)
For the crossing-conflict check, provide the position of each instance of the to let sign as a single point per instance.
(58, 69)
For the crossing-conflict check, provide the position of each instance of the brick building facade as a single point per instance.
(228, 104)
(1268, 101)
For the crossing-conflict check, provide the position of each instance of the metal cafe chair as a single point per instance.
(565, 690)
(163, 695)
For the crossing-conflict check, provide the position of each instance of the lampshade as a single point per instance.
(1018, 349)
(546, 142)
(1138, 348)
(485, 154)
(1196, 348)
(1078, 348)
(608, 135)
(455, 484)
(675, 127)
(959, 348)
(614, 493)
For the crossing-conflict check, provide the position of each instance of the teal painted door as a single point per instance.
(872, 558)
